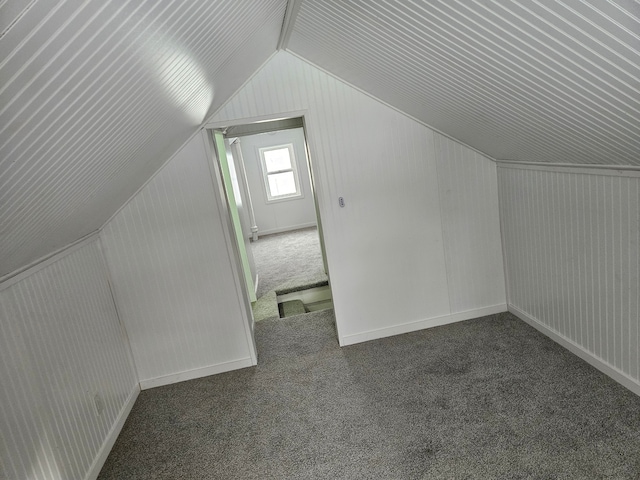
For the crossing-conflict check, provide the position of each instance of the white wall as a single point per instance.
(572, 255)
(385, 249)
(468, 185)
(61, 344)
(171, 268)
(282, 215)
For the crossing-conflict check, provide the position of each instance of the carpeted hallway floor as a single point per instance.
(283, 256)
(485, 398)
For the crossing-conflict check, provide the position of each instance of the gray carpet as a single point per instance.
(284, 256)
(485, 398)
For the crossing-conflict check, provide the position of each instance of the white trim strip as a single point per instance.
(196, 373)
(110, 441)
(234, 122)
(14, 277)
(617, 375)
(421, 324)
(290, 15)
(607, 170)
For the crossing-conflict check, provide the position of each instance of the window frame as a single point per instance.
(294, 169)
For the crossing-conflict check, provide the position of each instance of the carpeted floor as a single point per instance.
(283, 256)
(485, 398)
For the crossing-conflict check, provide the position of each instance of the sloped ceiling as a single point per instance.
(96, 95)
(539, 80)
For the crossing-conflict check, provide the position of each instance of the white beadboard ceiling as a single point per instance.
(96, 95)
(536, 80)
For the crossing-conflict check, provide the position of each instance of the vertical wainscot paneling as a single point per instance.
(385, 247)
(468, 186)
(572, 255)
(172, 275)
(68, 380)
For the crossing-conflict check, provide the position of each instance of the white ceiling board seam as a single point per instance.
(532, 65)
(100, 113)
(52, 59)
(29, 36)
(143, 146)
(134, 65)
(594, 39)
(505, 73)
(85, 106)
(85, 189)
(576, 168)
(452, 80)
(17, 18)
(90, 137)
(399, 53)
(615, 5)
(435, 40)
(496, 50)
(70, 166)
(79, 194)
(545, 89)
(94, 82)
(567, 58)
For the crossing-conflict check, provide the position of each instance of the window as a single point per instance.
(280, 172)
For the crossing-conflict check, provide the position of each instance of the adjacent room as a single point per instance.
(436, 272)
(271, 198)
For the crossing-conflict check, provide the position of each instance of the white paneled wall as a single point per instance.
(471, 226)
(172, 275)
(68, 380)
(385, 248)
(572, 255)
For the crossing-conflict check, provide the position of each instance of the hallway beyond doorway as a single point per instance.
(283, 257)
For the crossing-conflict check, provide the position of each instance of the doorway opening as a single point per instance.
(268, 183)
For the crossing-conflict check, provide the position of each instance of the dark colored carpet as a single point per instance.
(281, 257)
(485, 398)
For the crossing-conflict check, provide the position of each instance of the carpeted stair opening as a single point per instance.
(300, 294)
(291, 308)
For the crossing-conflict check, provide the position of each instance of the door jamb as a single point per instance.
(232, 249)
(207, 129)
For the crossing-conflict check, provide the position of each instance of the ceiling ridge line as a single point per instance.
(288, 23)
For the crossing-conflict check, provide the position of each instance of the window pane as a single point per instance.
(282, 184)
(276, 160)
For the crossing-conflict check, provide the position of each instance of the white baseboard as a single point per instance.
(195, 373)
(112, 436)
(420, 324)
(285, 229)
(609, 370)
